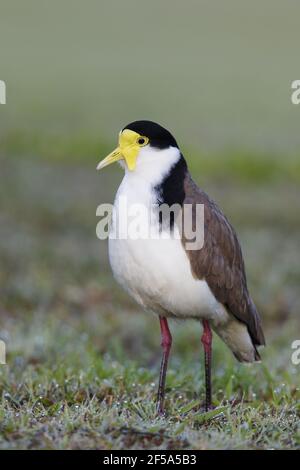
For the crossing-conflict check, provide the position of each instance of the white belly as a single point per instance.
(158, 276)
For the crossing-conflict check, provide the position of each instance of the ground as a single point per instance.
(83, 359)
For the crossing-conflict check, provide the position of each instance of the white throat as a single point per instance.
(152, 165)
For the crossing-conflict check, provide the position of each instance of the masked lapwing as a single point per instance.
(206, 283)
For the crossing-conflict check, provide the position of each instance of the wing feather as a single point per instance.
(220, 262)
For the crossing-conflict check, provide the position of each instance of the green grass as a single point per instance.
(88, 382)
(83, 360)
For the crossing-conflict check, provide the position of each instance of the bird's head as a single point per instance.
(141, 142)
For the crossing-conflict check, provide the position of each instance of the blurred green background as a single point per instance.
(218, 75)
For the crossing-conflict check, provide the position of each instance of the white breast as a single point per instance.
(156, 272)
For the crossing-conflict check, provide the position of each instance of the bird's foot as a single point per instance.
(208, 407)
(160, 410)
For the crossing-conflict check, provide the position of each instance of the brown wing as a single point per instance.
(220, 262)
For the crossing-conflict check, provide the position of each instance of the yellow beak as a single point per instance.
(127, 150)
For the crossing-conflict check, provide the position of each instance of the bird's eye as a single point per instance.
(142, 141)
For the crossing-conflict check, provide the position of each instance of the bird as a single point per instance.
(207, 283)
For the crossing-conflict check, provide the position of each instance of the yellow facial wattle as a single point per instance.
(130, 143)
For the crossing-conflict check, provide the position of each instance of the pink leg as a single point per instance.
(166, 343)
(206, 340)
